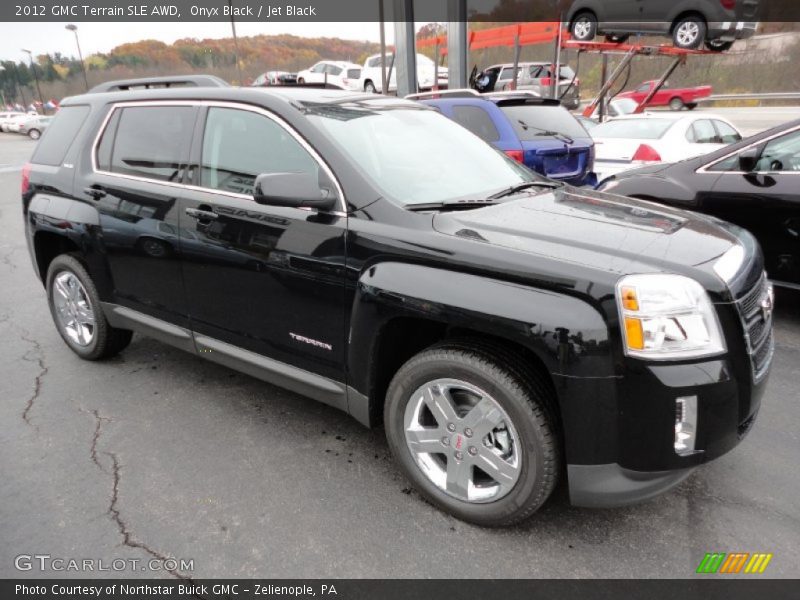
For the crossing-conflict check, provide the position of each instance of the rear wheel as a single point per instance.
(689, 33)
(370, 88)
(584, 27)
(34, 134)
(718, 45)
(676, 104)
(474, 433)
(301, 81)
(75, 307)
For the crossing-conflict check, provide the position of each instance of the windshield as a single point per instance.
(531, 122)
(417, 156)
(642, 129)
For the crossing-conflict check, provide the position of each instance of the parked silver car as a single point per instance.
(533, 76)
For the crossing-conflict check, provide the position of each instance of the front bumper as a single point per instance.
(606, 486)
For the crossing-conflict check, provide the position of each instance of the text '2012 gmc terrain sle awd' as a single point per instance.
(372, 254)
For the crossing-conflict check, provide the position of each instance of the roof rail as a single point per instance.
(160, 82)
(460, 93)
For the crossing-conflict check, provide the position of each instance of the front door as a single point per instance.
(766, 202)
(266, 279)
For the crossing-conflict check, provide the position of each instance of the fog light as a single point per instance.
(685, 424)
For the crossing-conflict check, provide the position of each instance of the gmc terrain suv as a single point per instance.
(368, 252)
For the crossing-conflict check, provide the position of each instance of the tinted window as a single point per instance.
(477, 121)
(727, 134)
(353, 73)
(55, 143)
(333, 70)
(239, 145)
(531, 121)
(643, 129)
(152, 141)
(703, 132)
(374, 62)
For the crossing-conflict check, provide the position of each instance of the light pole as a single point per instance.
(36, 77)
(235, 44)
(74, 29)
(2, 95)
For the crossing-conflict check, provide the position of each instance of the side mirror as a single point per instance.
(297, 190)
(748, 159)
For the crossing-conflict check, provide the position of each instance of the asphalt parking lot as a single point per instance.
(159, 453)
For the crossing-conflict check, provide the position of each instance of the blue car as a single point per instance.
(538, 132)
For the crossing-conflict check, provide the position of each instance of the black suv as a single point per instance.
(372, 254)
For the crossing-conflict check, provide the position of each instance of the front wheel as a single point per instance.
(75, 307)
(689, 33)
(474, 433)
(34, 134)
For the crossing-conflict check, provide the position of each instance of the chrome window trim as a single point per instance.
(221, 104)
(705, 167)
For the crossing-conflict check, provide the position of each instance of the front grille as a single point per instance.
(757, 325)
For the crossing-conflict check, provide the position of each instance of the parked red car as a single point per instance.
(675, 98)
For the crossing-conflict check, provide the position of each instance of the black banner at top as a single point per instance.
(720, 11)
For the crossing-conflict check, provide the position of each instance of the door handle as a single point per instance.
(95, 192)
(202, 215)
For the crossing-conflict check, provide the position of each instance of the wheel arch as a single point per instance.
(47, 246)
(689, 12)
(397, 313)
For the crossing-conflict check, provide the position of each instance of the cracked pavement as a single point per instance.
(157, 453)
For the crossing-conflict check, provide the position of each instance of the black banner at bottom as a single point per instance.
(711, 588)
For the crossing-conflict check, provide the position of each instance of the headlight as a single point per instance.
(667, 317)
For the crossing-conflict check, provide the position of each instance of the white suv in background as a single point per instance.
(345, 75)
(426, 72)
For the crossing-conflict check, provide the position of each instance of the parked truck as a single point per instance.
(675, 98)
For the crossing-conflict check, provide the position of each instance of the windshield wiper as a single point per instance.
(521, 187)
(451, 205)
(543, 132)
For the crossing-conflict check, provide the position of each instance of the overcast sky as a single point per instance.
(42, 38)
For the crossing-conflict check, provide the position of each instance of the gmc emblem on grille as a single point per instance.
(767, 304)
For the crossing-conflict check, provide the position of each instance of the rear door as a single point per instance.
(138, 164)
(266, 279)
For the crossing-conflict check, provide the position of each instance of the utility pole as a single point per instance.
(74, 29)
(235, 44)
(36, 78)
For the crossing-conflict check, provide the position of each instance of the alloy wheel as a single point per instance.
(687, 33)
(74, 310)
(582, 28)
(463, 440)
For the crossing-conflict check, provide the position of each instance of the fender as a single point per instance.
(656, 186)
(76, 221)
(566, 333)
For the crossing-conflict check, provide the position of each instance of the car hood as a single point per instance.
(600, 231)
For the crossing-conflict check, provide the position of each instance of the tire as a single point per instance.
(676, 104)
(34, 134)
(718, 45)
(100, 340)
(691, 105)
(617, 38)
(369, 87)
(584, 27)
(301, 81)
(522, 439)
(689, 33)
